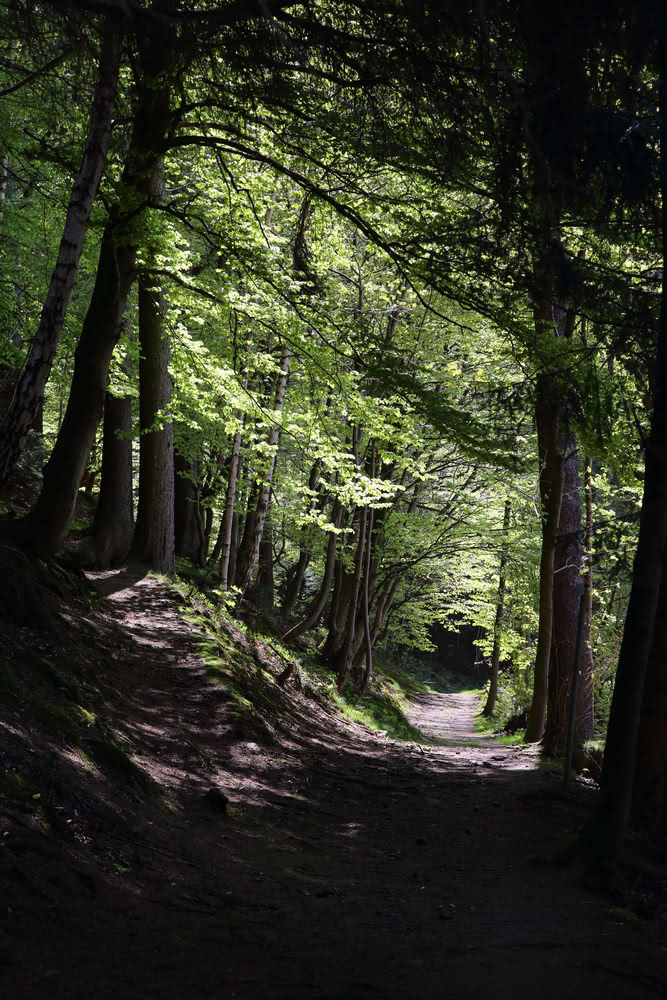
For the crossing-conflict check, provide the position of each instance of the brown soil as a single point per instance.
(346, 865)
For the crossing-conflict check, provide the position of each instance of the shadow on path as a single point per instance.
(348, 865)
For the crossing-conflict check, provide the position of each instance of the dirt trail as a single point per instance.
(347, 865)
(448, 718)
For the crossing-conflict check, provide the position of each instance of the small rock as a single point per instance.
(216, 799)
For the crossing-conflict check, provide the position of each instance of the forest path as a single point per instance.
(347, 866)
(449, 719)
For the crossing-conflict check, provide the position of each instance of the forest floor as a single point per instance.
(342, 865)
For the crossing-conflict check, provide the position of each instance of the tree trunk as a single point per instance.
(344, 660)
(45, 528)
(585, 692)
(651, 769)
(294, 582)
(247, 566)
(228, 512)
(500, 614)
(188, 528)
(47, 525)
(338, 611)
(154, 531)
(551, 488)
(245, 540)
(207, 524)
(383, 609)
(367, 639)
(114, 517)
(603, 840)
(370, 569)
(567, 572)
(27, 401)
(296, 574)
(263, 591)
(234, 551)
(314, 612)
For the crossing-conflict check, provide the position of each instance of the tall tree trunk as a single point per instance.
(27, 401)
(500, 614)
(551, 488)
(651, 769)
(383, 609)
(246, 569)
(585, 692)
(114, 517)
(344, 660)
(603, 839)
(235, 544)
(47, 525)
(188, 528)
(245, 540)
(228, 512)
(367, 638)
(314, 612)
(567, 572)
(368, 582)
(45, 528)
(296, 574)
(294, 582)
(338, 611)
(262, 593)
(154, 531)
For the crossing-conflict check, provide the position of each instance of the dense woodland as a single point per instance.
(360, 308)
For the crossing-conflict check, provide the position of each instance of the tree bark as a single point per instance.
(500, 614)
(248, 521)
(45, 528)
(294, 582)
(114, 517)
(383, 609)
(27, 400)
(585, 694)
(338, 610)
(247, 567)
(154, 531)
(47, 525)
(314, 612)
(235, 542)
(551, 488)
(188, 528)
(228, 512)
(368, 581)
(602, 842)
(262, 593)
(344, 659)
(367, 637)
(651, 769)
(567, 571)
(297, 573)
(650, 781)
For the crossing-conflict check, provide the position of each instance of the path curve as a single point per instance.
(448, 724)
